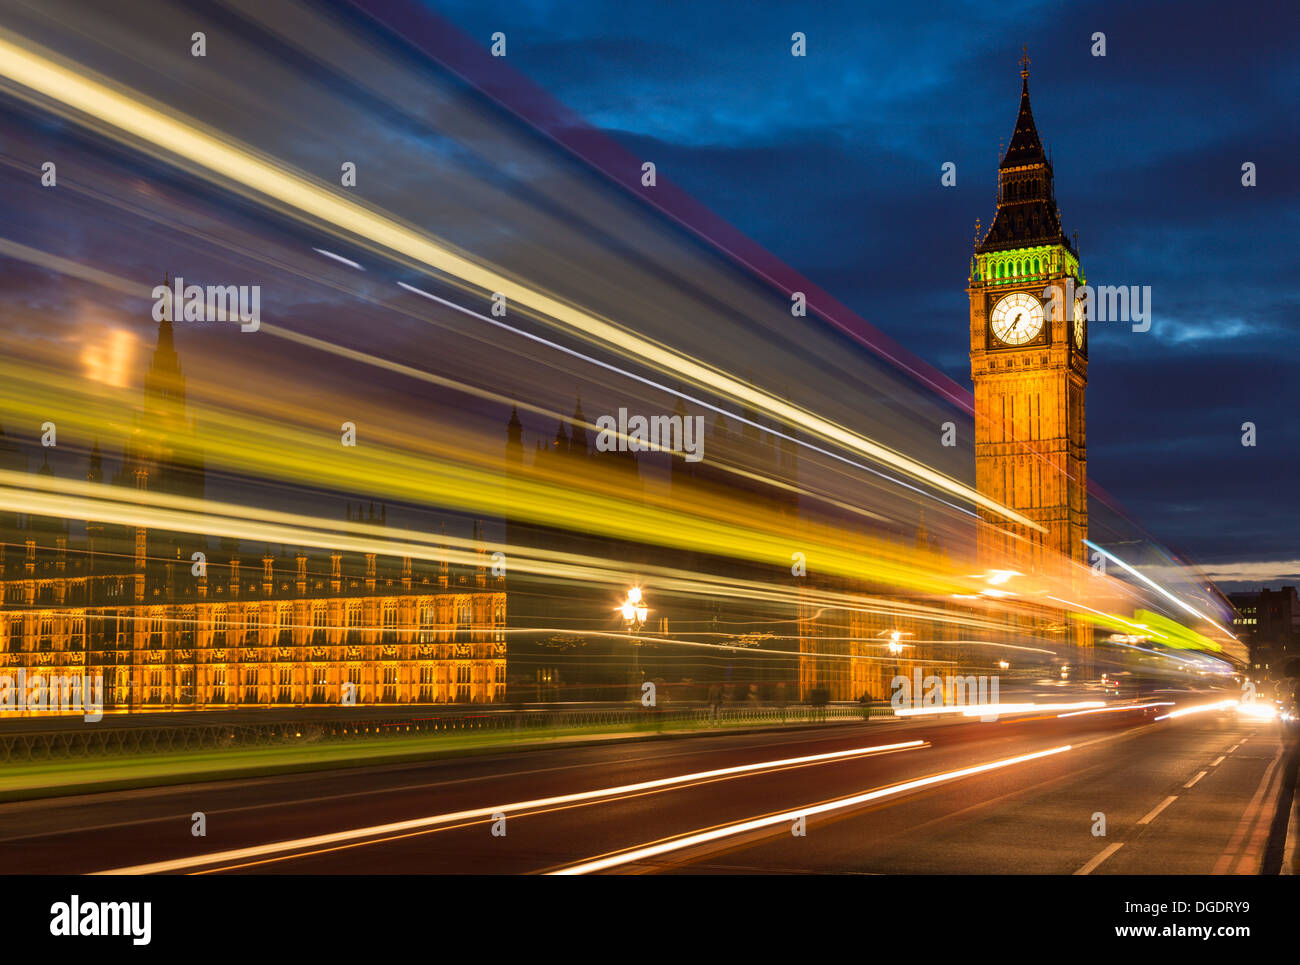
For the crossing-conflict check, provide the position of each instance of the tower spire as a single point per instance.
(1025, 147)
(164, 382)
(1026, 215)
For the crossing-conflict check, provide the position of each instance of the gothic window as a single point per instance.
(499, 621)
(462, 621)
(428, 621)
(285, 620)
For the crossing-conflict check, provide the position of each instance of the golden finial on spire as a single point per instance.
(1024, 62)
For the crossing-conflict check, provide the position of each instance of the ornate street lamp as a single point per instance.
(634, 612)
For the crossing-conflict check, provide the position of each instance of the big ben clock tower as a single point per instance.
(1029, 363)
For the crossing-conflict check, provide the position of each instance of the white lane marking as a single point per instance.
(743, 827)
(1101, 856)
(1218, 761)
(1196, 778)
(1233, 748)
(1151, 815)
(487, 812)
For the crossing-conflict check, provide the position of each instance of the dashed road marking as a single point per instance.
(1151, 815)
(1105, 853)
(1195, 779)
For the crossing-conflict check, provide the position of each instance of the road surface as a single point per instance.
(1191, 795)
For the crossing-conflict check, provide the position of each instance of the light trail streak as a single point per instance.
(464, 478)
(210, 153)
(1257, 709)
(685, 397)
(993, 710)
(1111, 710)
(354, 834)
(757, 824)
(83, 500)
(1178, 601)
(1145, 631)
(339, 258)
(65, 266)
(1199, 709)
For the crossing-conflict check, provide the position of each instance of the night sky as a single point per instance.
(832, 162)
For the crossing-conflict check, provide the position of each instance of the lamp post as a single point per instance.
(634, 612)
(895, 646)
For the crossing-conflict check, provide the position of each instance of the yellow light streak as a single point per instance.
(23, 65)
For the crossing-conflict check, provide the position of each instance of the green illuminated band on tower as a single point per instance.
(1018, 265)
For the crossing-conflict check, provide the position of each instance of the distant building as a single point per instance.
(1269, 622)
(253, 630)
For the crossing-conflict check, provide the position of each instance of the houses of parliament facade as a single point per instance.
(126, 604)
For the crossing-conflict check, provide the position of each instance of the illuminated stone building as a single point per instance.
(249, 630)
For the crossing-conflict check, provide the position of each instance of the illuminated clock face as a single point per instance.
(1017, 319)
(1080, 320)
